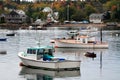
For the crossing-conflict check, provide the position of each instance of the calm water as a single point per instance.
(106, 66)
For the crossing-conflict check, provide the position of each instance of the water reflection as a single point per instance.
(79, 54)
(40, 74)
(76, 52)
(101, 60)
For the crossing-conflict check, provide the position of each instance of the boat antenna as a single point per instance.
(38, 43)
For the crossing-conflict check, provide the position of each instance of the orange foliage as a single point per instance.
(113, 8)
(57, 5)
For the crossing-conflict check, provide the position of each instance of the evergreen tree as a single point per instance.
(17, 1)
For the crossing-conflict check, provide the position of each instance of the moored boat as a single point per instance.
(90, 54)
(34, 57)
(73, 33)
(3, 39)
(89, 29)
(10, 34)
(81, 41)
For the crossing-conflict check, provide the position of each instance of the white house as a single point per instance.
(96, 18)
(52, 16)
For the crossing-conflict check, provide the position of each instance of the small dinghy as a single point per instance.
(3, 52)
(10, 34)
(3, 39)
(90, 54)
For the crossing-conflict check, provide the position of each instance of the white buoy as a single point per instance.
(117, 34)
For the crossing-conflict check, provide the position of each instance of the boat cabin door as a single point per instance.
(39, 53)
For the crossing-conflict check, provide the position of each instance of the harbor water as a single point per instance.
(105, 66)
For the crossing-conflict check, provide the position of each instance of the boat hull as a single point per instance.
(10, 34)
(3, 39)
(65, 44)
(53, 65)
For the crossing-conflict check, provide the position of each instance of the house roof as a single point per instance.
(13, 12)
(16, 12)
(96, 14)
(20, 12)
(2, 15)
(47, 9)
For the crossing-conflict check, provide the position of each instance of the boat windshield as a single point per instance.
(40, 51)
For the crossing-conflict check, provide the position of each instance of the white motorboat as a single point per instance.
(89, 29)
(81, 41)
(75, 44)
(73, 33)
(34, 57)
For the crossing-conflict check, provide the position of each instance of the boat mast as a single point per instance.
(101, 35)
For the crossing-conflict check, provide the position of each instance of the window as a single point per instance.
(34, 51)
(29, 51)
(40, 51)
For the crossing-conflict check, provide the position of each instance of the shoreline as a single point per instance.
(26, 26)
(78, 25)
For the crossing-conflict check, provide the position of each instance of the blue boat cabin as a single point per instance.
(40, 52)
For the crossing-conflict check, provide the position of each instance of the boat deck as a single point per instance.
(78, 42)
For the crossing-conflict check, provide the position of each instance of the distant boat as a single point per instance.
(10, 34)
(111, 24)
(73, 33)
(37, 27)
(90, 54)
(3, 39)
(81, 41)
(34, 57)
(89, 29)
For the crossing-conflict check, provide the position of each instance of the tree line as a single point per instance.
(77, 10)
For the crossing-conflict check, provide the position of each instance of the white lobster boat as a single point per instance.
(76, 44)
(34, 58)
(81, 41)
